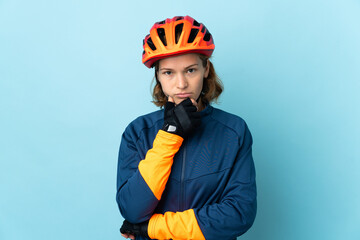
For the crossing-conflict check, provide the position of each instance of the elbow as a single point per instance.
(129, 211)
(133, 218)
(242, 217)
(248, 219)
(248, 224)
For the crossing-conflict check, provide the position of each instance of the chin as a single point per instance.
(179, 100)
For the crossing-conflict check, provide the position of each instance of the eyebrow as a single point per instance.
(192, 65)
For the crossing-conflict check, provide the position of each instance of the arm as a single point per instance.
(139, 190)
(231, 217)
(140, 186)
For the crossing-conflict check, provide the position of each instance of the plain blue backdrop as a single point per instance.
(71, 79)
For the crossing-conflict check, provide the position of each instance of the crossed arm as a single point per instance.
(139, 191)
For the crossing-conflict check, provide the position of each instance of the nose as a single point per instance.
(181, 81)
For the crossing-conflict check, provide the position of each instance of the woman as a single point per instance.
(185, 172)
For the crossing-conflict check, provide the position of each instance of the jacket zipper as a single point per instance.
(182, 198)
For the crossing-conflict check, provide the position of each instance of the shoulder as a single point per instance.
(231, 121)
(144, 122)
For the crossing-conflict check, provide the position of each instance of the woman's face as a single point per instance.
(182, 76)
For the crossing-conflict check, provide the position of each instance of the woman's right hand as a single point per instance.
(181, 119)
(127, 235)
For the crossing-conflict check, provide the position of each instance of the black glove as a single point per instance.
(139, 229)
(181, 119)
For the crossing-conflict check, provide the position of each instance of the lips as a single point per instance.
(183, 95)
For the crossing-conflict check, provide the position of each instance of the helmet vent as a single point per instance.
(161, 33)
(179, 18)
(151, 44)
(195, 23)
(178, 31)
(145, 38)
(143, 52)
(207, 36)
(203, 29)
(162, 22)
(193, 34)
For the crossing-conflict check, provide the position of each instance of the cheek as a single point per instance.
(165, 92)
(200, 85)
(164, 87)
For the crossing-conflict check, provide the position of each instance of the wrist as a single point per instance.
(172, 128)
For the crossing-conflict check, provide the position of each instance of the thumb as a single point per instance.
(194, 102)
(170, 99)
(169, 104)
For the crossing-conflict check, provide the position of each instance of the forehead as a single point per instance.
(180, 61)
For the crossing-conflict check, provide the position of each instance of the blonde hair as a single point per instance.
(212, 85)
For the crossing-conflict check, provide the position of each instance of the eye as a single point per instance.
(167, 73)
(191, 70)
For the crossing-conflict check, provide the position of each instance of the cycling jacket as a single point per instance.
(202, 187)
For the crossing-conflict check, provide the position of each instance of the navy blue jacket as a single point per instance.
(211, 173)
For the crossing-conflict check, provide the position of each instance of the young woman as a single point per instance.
(185, 171)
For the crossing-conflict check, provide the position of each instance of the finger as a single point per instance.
(194, 103)
(131, 236)
(125, 235)
(170, 99)
(169, 106)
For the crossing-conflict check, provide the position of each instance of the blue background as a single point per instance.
(71, 79)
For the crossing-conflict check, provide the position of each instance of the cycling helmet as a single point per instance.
(193, 37)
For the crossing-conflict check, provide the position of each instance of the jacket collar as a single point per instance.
(207, 111)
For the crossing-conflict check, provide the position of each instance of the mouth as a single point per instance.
(183, 95)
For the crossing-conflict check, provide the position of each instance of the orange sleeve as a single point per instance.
(156, 167)
(171, 225)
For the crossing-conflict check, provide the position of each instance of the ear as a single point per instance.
(207, 69)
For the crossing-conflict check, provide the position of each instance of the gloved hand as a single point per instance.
(181, 119)
(139, 229)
